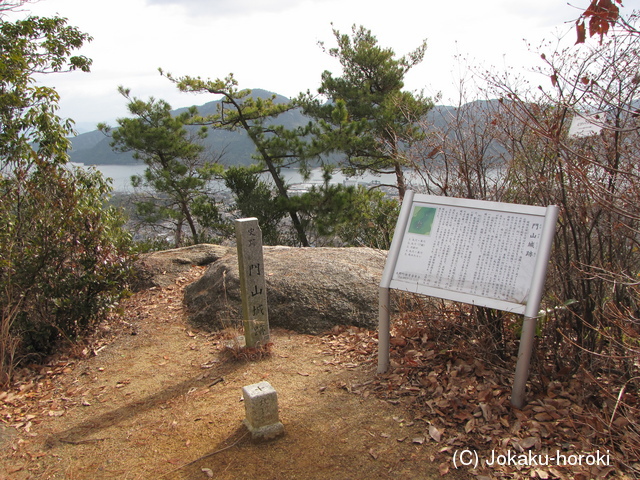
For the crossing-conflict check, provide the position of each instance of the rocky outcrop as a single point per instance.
(160, 269)
(309, 290)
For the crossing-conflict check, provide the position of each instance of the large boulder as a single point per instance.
(309, 290)
(160, 269)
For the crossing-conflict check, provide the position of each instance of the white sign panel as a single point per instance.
(475, 252)
(584, 127)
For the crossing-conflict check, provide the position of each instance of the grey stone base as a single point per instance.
(266, 432)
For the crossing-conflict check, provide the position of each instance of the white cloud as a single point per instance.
(230, 7)
(273, 45)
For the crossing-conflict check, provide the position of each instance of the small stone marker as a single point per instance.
(261, 406)
(253, 288)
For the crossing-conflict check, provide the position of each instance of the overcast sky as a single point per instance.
(274, 44)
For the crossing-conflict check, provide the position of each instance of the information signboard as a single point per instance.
(474, 252)
(483, 253)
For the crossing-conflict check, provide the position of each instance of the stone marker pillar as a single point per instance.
(261, 407)
(252, 284)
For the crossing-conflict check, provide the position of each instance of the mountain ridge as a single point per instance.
(93, 148)
(234, 147)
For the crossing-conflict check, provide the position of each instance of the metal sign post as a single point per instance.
(533, 307)
(482, 253)
(384, 302)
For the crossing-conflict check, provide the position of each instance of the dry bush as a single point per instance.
(242, 353)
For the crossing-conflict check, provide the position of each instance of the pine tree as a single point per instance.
(177, 171)
(368, 116)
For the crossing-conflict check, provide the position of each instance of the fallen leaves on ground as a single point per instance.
(454, 393)
(37, 390)
(463, 403)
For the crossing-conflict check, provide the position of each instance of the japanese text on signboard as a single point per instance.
(479, 252)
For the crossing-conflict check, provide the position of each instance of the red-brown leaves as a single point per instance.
(601, 15)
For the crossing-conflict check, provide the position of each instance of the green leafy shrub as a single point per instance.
(338, 215)
(64, 256)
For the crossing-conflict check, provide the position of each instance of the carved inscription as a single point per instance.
(252, 283)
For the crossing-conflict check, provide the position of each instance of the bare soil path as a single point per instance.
(160, 400)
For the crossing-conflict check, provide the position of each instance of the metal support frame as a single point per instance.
(533, 307)
(384, 299)
(530, 311)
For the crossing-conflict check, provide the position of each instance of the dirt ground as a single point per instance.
(159, 400)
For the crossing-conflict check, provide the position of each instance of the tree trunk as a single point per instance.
(192, 226)
(400, 181)
(282, 189)
(178, 235)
